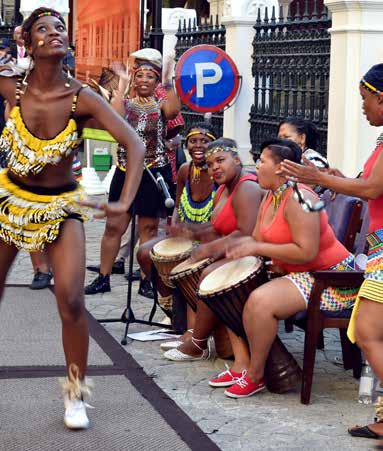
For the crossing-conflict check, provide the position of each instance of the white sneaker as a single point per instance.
(75, 416)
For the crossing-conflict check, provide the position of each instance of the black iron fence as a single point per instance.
(193, 33)
(291, 64)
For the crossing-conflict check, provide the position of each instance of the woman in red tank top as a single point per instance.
(232, 216)
(297, 242)
(367, 318)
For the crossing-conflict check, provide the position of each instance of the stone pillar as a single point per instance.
(239, 19)
(170, 20)
(216, 7)
(27, 6)
(356, 45)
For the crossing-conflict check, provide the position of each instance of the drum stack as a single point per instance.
(186, 278)
(225, 290)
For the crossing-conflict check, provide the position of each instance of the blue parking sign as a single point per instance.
(207, 79)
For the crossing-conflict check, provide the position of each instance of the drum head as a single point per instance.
(229, 274)
(188, 265)
(171, 247)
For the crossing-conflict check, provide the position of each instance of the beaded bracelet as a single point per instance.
(168, 85)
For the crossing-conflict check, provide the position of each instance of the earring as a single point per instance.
(68, 80)
(27, 72)
(24, 82)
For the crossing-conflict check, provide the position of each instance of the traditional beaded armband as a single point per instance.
(168, 85)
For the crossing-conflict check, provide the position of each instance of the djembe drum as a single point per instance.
(168, 253)
(226, 290)
(186, 277)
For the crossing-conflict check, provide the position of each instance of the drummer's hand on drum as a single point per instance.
(240, 247)
(201, 252)
(179, 229)
(109, 209)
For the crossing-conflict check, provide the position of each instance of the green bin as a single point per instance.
(102, 162)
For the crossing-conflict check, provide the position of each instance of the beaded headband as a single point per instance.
(221, 149)
(147, 69)
(200, 132)
(45, 14)
(50, 13)
(369, 87)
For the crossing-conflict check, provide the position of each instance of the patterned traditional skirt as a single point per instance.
(332, 299)
(31, 216)
(372, 287)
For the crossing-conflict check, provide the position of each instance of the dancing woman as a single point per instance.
(232, 216)
(148, 116)
(366, 322)
(298, 242)
(39, 196)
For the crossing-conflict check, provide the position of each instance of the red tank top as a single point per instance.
(375, 206)
(226, 221)
(331, 251)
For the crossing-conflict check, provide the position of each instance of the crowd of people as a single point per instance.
(229, 214)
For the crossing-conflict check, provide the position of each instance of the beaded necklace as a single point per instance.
(196, 172)
(277, 195)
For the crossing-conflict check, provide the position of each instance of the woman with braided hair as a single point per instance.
(40, 207)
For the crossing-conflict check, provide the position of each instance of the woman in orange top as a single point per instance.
(367, 317)
(231, 216)
(297, 242)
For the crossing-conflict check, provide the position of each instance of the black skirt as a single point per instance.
(149, 201)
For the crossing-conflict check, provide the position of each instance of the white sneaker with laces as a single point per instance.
(75, 416)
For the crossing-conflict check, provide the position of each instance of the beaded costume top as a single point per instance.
(192, 211)
(28, 154)
(145, 116)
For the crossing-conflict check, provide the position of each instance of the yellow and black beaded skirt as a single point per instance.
(30, 217)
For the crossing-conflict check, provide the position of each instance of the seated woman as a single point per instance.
(298, 242)
(306, 135)
(235, 210)
(194, 198)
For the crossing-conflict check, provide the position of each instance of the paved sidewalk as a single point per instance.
(266, 421)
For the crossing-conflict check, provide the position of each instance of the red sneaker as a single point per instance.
(244, 387)
(225, 379)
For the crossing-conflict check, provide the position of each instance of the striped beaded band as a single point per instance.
(200, 132)
(369, 87)
(50, 13)
(210, 152)
(147, 68)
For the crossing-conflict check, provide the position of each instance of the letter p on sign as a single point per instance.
(214, 76)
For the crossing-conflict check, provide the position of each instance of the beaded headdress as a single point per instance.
(369, 87)
(201, 132)
(50, 13)
(148, 67)
(217, 149)
(373, 79)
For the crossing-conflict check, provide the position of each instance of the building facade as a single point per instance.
(104, 32)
